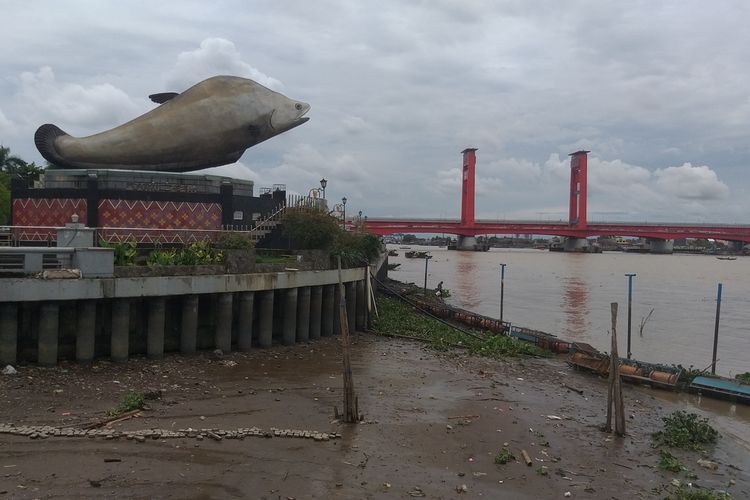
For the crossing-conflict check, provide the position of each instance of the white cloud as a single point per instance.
(691, 183)
(215, 56)
(84, 108)
(6, 126)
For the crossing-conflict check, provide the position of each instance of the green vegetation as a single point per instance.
(310, 229)
(687, 493)
(199, 253)
(743, 378)
(355, 248)
(685, 430)
(688, 374)
(133, 401)
(397, 318)
(504, 456)
(669, 462)
(13, 167)
(234, 241)
(125, 252)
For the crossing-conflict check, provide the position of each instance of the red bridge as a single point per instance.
(576, 229)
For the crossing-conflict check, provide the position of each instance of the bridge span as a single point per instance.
(576, 229)
(663, 231)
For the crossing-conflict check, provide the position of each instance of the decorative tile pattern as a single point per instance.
(158, 221)
(159, 214)
(45, 214)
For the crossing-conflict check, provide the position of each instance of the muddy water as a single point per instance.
(569, 295)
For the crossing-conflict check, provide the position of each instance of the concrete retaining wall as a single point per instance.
(44, 321)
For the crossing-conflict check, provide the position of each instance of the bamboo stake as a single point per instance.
(368, 319)
(614, 392)
(350, 400)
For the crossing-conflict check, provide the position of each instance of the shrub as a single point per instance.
(234, 241)
(743, 378)
(310, 229)
(197, 254)
(162, 258)
(125, 252)
(356, 248)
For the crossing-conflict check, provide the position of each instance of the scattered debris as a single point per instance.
(417, 492)
(554, 417)
(579, 391)
(462, 489)
(526, 458)
(708, 464)
(9, 370)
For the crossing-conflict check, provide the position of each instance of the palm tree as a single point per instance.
(10, 163)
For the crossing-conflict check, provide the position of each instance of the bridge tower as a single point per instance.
(578, 188)
(467, 241)
(467, 186)
(578, 193)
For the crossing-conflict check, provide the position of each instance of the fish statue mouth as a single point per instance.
(299, 122)
(296, 123)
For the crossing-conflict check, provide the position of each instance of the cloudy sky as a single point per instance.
(658, 91)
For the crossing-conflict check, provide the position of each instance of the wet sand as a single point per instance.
(411, 444)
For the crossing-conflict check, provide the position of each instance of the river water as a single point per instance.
(569, 295)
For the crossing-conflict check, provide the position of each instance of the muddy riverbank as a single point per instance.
(433, 425)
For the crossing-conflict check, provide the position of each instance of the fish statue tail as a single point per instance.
(44, 138)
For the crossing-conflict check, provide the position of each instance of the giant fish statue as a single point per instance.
(210, 124)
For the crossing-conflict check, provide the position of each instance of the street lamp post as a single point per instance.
(323, 184)
(502, 290)
(343, 202)
(630, 306)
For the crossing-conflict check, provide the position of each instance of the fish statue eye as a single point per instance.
(298, 106)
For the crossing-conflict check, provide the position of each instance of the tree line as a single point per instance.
(13, 167)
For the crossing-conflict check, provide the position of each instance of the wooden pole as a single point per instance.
(368, 284)
(615, 383)
(350, 400)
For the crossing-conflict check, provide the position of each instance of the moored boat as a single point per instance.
(721, 388)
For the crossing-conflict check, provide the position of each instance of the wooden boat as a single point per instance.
(586, 357)
(392, 253)
(727, 258)
(417, 254)
(721, 388)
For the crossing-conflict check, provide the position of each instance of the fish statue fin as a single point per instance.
(44, 138)
(163, 97)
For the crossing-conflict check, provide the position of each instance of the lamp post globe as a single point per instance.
(323, 184)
